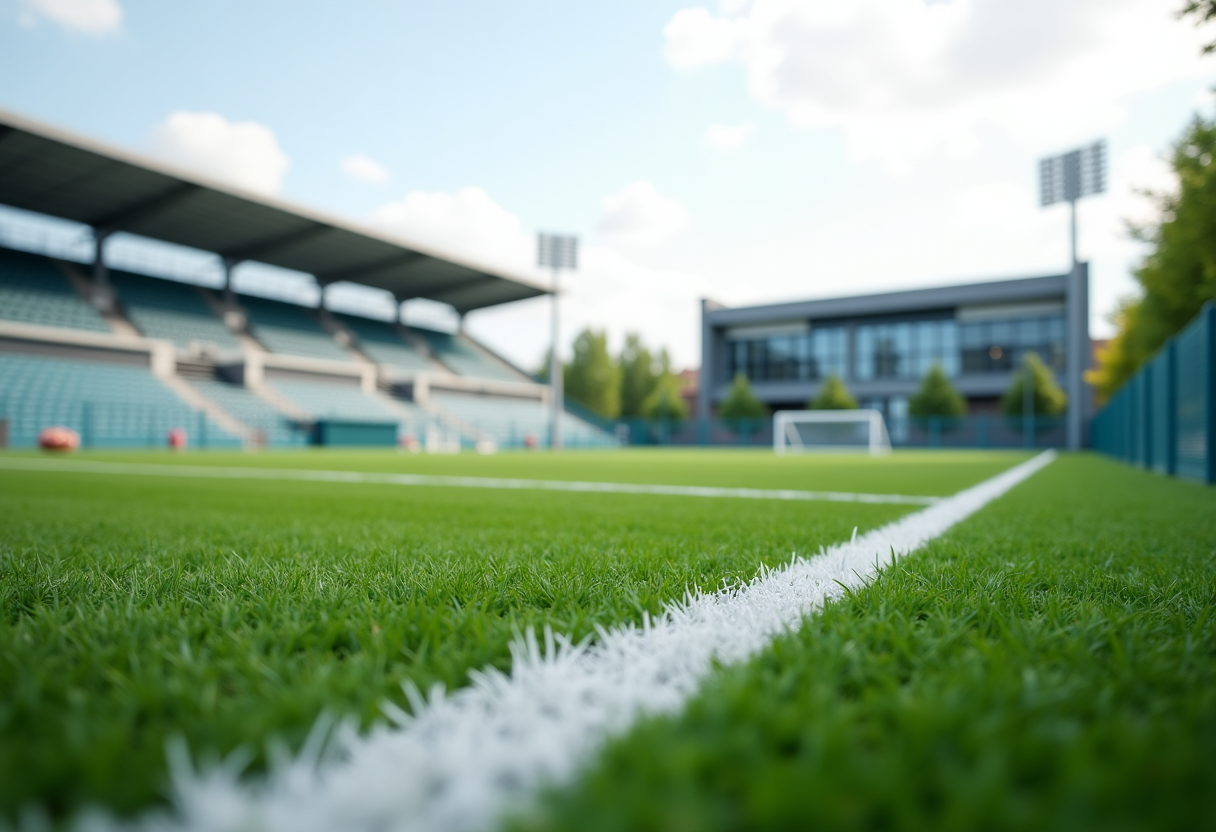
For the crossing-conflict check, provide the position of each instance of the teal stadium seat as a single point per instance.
(254, 412)
(290, 329)
(464, 358)
(34, 291)
(508, 420)
(380, 341)
(336, 400)
(109, 405)
(168, 309)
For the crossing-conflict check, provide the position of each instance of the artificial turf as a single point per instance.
(230, 612)
(1048, 664)
(924, 473)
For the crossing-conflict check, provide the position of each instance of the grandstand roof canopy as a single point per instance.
(54, 172)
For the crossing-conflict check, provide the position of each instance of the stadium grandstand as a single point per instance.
(123, 357)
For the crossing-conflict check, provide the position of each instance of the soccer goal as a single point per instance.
(799, 431)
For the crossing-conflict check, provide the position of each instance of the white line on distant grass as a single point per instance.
(465, 758)
(375, 478)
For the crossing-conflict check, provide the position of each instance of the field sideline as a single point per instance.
(230, 611)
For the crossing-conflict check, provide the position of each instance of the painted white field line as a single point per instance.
(466, 757)
(80, 466)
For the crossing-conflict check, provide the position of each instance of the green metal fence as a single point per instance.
(1164, 418)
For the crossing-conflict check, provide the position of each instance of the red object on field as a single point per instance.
(177, 438)
(530, 441)
(58, 439)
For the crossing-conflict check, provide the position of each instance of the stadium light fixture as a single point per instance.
(556, 252)
(1070, 176)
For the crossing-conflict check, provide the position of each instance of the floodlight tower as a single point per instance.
(1067, 178)
(556, 252)
(1070, 176)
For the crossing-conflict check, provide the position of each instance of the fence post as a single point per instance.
(1209, 389)
(1171, 409)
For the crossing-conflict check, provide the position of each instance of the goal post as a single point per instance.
(800, 431)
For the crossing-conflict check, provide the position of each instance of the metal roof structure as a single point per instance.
(54, 172)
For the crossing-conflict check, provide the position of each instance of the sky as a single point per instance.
(749, 152)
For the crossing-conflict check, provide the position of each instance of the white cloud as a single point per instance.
(608, 292)
(695, 38)
(93, 17)
(603, 293)
(641, 216)
(900, 78)
(245, 153)
(364, 168)
(726, 137)
(467, 223)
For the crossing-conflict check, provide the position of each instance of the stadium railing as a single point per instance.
(1164, 417)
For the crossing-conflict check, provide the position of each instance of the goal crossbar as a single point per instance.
(787, 437)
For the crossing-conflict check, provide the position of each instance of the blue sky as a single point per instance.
(750, 152)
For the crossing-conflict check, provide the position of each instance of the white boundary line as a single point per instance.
(466, 757)
(374, 478)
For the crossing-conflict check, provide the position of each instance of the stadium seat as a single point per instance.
(335, 400)
(34, 291)
(290, 329)
(508, 420)
(380, 341)
(168, 309)
(109, 405)
(459, 354)
(254, 412)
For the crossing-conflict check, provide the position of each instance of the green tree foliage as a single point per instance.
(541, 373)
(833, 395)
(936, 397)
(1204, 10)
(1179, 274)
(592, 378)
(1047, 399)
(638, 375)
(665, 404)
(741, 402)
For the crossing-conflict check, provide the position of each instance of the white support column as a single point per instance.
(555, 375)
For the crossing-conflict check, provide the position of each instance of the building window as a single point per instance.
(802, 356)
(906, 349)
(996, 346)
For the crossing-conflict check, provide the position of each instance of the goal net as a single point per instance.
(799, 431)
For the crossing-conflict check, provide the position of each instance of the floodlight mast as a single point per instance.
(556, 252)
(1067, 178)
(1070, 176)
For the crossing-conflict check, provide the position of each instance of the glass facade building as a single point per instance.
(898, 349)
(801, 356)
(882, 345)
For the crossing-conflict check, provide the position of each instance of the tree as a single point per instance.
(936, 397)
(665, 404)
(1179, 274)
(541, 373)
(1205, 10)
(592, 378)
(1047, 399)
(638, 376)
(833, 395)
(741, 402)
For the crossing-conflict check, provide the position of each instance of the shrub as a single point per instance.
(1047, 399)
(833, 395)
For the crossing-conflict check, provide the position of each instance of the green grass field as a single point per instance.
(1027, 662)
(1048, 664)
